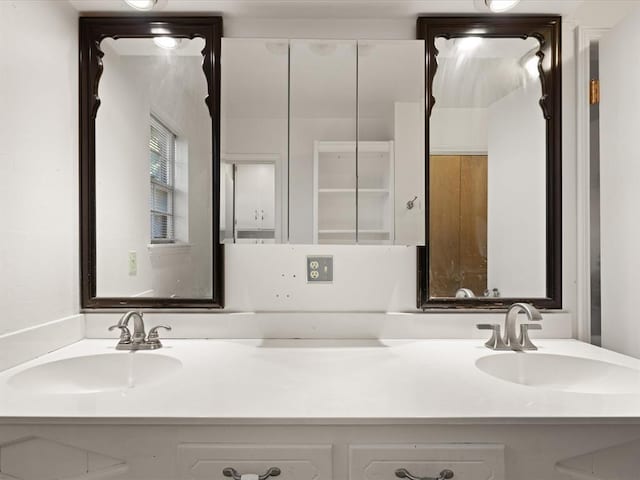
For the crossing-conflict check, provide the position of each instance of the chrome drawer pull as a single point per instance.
(233, 473)
(404, 473)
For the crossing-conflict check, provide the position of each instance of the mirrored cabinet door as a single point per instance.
(322, 161)
(391, 161)
(254, 132)
(339, 126)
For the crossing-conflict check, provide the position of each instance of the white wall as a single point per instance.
(516, 209)
(122, 185)
(39, 278)
(620, 186)
(59, 284)
(458, 131)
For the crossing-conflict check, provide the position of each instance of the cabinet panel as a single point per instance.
(467, 461)
(296, 462)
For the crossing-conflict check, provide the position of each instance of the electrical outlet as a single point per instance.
(320, 269)
(133, 263)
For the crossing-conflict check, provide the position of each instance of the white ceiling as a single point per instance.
(483, 75)
(327, 8)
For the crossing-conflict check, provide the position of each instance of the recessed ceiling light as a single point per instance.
(141, 4)
(499, 6)
(168, 43)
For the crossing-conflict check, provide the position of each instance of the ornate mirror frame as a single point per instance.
(92, 31)
(547, 30)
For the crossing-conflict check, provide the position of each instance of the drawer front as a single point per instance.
(297, 462)
(467, 461)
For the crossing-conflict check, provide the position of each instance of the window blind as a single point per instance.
(162, 150)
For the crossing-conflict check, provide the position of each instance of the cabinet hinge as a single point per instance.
(594, 92)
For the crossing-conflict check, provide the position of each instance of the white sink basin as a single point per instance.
(96, 373)
(562, 372)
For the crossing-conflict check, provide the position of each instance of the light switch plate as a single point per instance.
(133, 263)
(319, 269)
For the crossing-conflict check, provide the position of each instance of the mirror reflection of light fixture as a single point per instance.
(277, 48)
(168, 43)
(531, 62)
(499, 6)
(141, 4)
(466, 44)
(323, 49)
(532, 67)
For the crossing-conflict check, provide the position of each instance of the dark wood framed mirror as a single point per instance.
(150, 162)
(494, 162)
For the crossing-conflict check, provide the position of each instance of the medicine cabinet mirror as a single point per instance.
(493, 138)
(149, 95)
(323, 142)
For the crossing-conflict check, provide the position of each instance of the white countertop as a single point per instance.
(312, 381)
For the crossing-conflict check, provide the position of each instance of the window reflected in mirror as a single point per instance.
(487, 170)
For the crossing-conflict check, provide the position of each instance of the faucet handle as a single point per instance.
(524, 339)
(153, 338)
(125, 334)
(495, 342)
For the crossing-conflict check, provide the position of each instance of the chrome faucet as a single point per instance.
(465, 293)
(139, 340)
(511, 340)
(139, 334)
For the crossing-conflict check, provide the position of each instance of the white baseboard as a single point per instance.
(24, 345)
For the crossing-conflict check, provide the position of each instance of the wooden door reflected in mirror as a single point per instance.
(459, 229)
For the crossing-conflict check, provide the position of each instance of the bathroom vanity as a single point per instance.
(438, 147)
(321, 410)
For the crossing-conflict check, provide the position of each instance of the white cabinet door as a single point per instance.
(466, 461)
(296, 462)
(619, 190)
(255, 196)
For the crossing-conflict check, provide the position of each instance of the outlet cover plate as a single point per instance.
(319, 268)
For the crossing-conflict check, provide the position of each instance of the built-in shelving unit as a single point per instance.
(353, 192)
